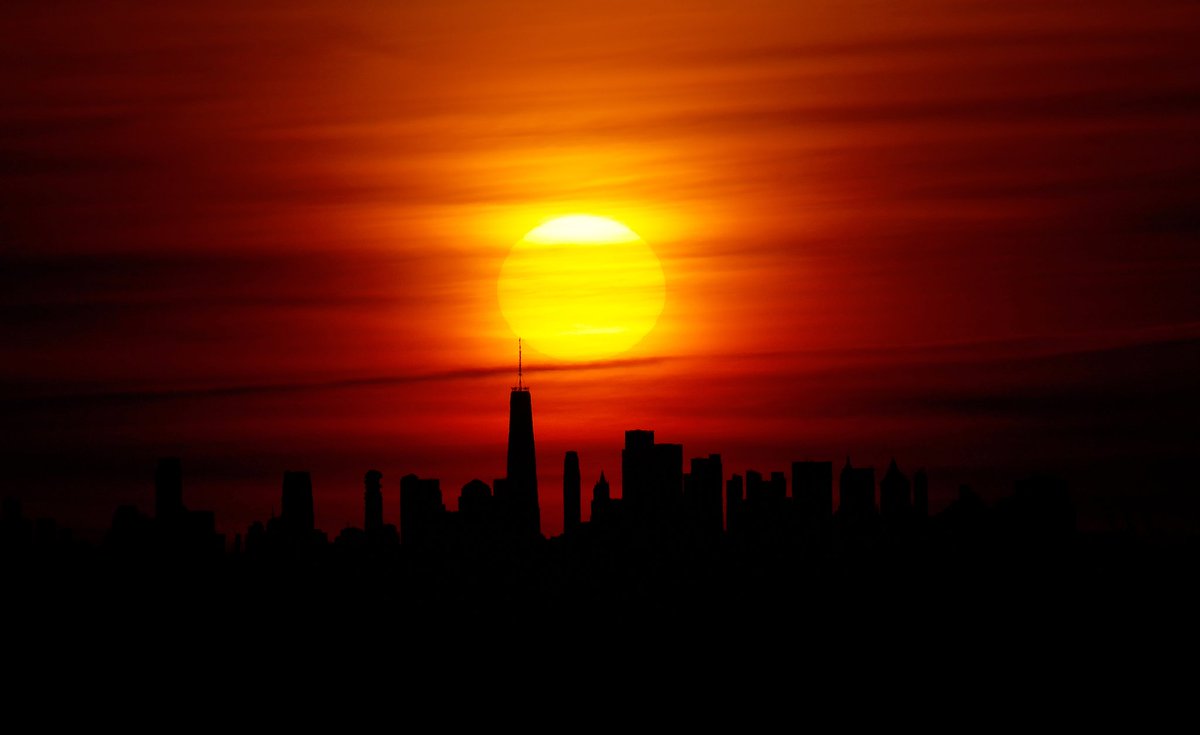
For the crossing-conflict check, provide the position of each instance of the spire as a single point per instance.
(522, 463)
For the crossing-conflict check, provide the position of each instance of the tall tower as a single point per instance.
(520, 503)
(571, 481)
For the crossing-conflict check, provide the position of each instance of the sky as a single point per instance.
(266, 237)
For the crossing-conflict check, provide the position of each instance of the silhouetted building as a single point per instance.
(764, 491)
(475, 498)
(895, 494)
(174, 534)
(812, 491)
(651, 479)
(571, 492)
(920, 494)
(296, 516)
(372, 502)
(601, 500)
(702, 497)
(421, 510)
(168, 489)
(517, 499)
(351, 538)
(764, 511)
(475, 523)
(856, 492)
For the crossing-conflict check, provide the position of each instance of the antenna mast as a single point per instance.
(520, 369)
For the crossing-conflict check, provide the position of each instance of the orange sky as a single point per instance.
(961, 233)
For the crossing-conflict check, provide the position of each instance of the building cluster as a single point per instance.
(173, 531)
(660, 503)
(659, 500)
(507, 513)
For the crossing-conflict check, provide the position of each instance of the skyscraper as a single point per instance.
(519, 504)
(571, 490)
(421, 511)
(651, 478)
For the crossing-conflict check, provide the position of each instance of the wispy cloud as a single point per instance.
(234, 391)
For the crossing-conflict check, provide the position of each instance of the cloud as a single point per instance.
(233, 391)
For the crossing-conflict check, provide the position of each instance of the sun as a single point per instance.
(581, 288)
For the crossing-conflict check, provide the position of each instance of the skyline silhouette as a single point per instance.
(847, 333)
(962, 237)
(660, 504)
(652, 481)
(681, 554)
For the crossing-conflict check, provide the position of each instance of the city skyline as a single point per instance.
(548, 490)
(657, 493)
(306, 236)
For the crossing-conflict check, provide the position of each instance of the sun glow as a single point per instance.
(581, 287)
(581, 229)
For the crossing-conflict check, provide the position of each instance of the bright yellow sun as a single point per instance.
(581, 288)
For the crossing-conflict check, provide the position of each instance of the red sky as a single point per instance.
(963, 234)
